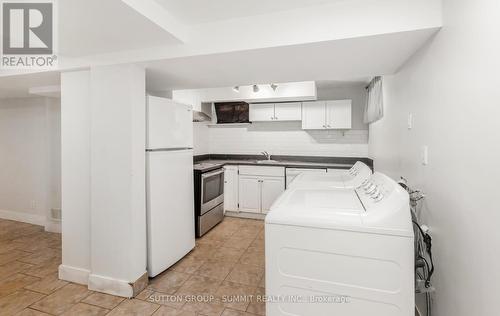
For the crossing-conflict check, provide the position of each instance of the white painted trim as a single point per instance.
(245, 215)
(23, 217)
(74, 274)
(111, 286)
(53, 227)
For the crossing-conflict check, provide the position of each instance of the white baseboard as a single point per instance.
(245, 215)
(23, 217)
(73, 274)
(53, 227)
(111, 286)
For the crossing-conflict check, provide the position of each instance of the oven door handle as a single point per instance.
(210, 174)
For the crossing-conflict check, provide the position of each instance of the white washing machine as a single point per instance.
(345, 252)
(350, 178)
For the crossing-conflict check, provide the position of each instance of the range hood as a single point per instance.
(199, 116)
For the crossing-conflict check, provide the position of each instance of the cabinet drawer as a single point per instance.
(262, 171)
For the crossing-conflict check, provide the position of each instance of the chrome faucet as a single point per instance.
(266, 154)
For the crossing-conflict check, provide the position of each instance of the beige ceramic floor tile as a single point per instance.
(212, 308)
(62, 299)
(253, 256)
(188, 264)
(144, 295)
(15, 282)
(32, 312)
(258, 306)
(234, 295)
(215, 269)
(134, 307)
(12, 256)
(169, 311)
(230, 255)
(232, 242)
(238, 242)
(47, 285)
(82, 309)
(246, 274)
(45, 269)
(169, 281)
(42, 256)
(175, 301)
(103, 300)
(199, 285)
(232, 312)
(14, 267)
(16, 302)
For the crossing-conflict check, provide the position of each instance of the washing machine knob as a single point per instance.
(379, 197)
(371, 189)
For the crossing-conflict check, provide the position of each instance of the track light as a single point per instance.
(236, 88)
(274, 86)
(255, 88)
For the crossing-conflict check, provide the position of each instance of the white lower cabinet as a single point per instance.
(249, 194)
(231, 188)
(271, 187)
(259, 187)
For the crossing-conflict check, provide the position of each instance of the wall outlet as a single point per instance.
(425, 155)
(410, 121)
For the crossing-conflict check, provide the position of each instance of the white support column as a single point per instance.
(75, 176)
(118, 207)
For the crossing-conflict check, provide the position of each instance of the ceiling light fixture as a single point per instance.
(236, 88)
(274, 86)
(255, 88)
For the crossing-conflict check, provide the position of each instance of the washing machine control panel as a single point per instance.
(373, 190)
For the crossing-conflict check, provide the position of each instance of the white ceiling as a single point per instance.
(332, 60)
(203, 11)
(89, 27)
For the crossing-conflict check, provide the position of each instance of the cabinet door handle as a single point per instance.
(275, 118)
(272, 118)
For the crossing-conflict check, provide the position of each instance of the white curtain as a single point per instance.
(374, 109)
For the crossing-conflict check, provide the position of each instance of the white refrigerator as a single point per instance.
(169, 183)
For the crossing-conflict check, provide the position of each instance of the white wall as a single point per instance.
(75, 171)
(451, 87)
(288, 138)
(117, 178)
(29, 158)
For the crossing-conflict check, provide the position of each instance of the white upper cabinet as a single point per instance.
(338, 114)
(270, 112)
(313, 115)
(289, 111)
(261, 112)
(327, 114)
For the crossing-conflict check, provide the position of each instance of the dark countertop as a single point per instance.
(205, 163)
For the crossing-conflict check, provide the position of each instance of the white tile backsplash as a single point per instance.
(200, 138)
(279, 138)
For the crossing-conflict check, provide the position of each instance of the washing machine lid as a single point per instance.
(317, 207)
